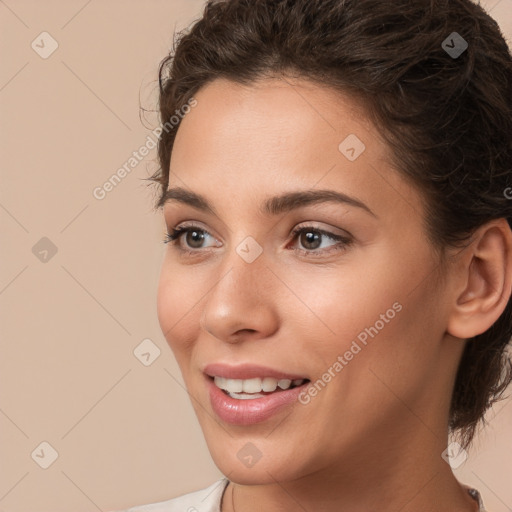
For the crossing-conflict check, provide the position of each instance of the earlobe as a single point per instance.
(485, 281)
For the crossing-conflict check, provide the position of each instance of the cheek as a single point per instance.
(342, 302)
(378, 314)
(178, 305)
(390, 349)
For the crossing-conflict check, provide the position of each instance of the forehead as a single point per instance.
(281, 134)
(281, 113)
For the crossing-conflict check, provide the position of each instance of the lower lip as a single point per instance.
(248, 412)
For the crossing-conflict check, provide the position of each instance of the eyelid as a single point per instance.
(328, 231)
(195, 224)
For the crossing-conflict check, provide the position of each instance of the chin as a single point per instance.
(243, 463)
(259, 474)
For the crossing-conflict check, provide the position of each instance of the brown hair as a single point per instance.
(447, 118)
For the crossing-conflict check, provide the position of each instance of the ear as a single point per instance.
(483, 282)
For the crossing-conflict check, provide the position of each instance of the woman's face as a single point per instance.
(349, 303)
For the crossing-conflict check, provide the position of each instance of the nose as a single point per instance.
(242, 303)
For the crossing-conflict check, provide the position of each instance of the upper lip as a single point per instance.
(247, 371)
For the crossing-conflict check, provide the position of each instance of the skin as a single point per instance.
(372, 439)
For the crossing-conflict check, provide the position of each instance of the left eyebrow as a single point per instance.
(272, 206)
(293, 200)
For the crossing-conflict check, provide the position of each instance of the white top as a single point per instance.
(209, 500)
(205, 500)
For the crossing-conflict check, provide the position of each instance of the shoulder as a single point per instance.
(204, 500)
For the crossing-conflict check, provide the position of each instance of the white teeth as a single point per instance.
(234, 385)
(269, 384)
(220, 382)
(253, 386)
(244, 396)
(284, 383)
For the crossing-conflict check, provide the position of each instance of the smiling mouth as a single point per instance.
(250, 389)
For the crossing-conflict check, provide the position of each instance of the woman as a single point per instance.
(336, 287)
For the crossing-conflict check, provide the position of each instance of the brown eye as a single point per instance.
(310, 239)
(194, 238)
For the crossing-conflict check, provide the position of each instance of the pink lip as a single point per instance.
(246, 371)
(248, 412)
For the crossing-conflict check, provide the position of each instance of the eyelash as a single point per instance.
(344, 242)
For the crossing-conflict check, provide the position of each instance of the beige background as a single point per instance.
(125, 433)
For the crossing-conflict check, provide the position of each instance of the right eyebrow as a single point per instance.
(186, 197)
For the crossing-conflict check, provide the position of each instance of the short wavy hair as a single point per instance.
(446, 117)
